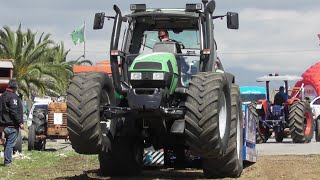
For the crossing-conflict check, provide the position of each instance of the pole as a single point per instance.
(84, 40)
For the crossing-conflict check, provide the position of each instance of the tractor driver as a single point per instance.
(281, 97)
(163, 36)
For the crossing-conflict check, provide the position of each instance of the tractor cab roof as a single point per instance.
(165, 13)
(168, 18)
(279, 78)
(176, 19)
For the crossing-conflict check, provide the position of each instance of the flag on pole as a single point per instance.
(77, 35)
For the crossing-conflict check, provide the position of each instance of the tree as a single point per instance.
(40, 65)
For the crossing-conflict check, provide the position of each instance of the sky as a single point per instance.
(274, 36)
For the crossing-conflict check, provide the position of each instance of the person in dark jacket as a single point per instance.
(281, 97)
(11, 118)
(163, 36)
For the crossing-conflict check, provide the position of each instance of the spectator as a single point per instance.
(11, 118)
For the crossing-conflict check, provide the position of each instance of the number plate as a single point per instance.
(57, 118)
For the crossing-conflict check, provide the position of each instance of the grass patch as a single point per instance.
(48, 165)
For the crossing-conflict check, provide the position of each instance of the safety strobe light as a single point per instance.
(157, 76)
(114, 52)
(138, 7)
(206, 52)
(193, 7)
(136, 76)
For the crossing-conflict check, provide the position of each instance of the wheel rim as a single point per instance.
(307, 123)
(239, 135)
(223, 116)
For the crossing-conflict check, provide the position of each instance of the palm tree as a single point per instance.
(40, 65)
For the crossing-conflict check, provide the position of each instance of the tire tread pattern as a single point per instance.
(87, 91)
(229, 165)
(202, 126)
(296, 122)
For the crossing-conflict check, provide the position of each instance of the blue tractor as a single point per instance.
(283, 117)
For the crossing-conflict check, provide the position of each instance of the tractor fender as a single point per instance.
(264, 103)
(230, 77)
(292, 100)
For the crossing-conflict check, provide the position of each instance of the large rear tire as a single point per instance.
(86, 94)
(33, 142)
(124, 157)
(208, 114)
(31, 137)
(301, 122)
(231, 163)
(261, 137)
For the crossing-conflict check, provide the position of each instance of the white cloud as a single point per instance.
(281, 34)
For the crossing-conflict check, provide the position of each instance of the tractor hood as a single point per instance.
(155, 70)
(155, 62)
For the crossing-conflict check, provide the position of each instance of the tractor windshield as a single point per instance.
(188, 39)
(188, 59)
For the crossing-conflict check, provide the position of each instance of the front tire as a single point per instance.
(87, 92)
(125, 155)
(31, 137)
(231, 163)
(301, 122)
(208, 114)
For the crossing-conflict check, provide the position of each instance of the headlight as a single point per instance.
(136, 76)
(158, 76)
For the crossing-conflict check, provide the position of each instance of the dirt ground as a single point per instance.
(267, 167)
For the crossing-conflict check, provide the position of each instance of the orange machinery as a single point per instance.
(103, 66)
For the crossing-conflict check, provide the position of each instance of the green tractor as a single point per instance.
(182, 102)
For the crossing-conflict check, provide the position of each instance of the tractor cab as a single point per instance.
(188, 30)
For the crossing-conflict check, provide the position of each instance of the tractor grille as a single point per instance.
(57, 119)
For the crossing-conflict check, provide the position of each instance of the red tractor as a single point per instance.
(6, 72)
(293, 116)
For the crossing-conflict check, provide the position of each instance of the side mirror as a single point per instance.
(232, 20)
(98, 20)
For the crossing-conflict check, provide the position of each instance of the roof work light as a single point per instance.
(193, 7)
(138, 7)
